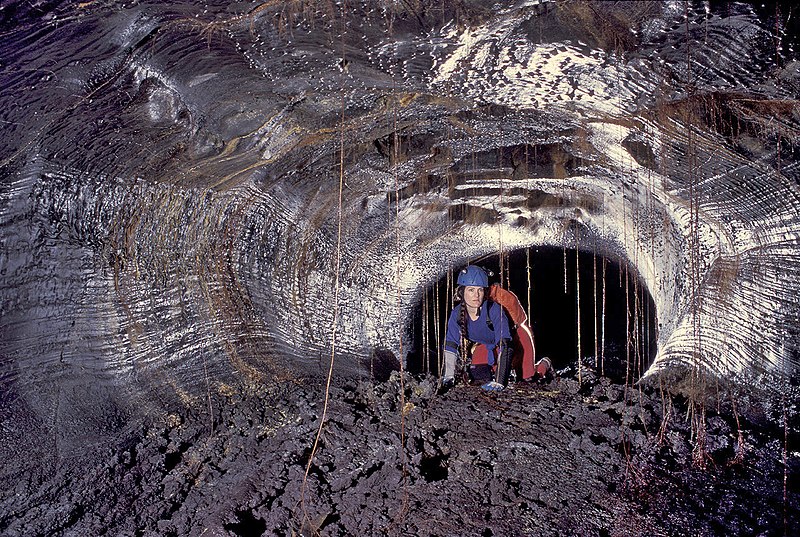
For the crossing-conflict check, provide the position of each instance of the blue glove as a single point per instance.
(492, 387)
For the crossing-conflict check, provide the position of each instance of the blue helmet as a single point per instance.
(473, 275)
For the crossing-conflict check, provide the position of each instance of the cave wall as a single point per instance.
(195, 194)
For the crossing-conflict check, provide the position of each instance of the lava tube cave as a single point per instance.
(229, 232)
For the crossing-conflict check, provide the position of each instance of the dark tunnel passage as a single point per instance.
(615, 312)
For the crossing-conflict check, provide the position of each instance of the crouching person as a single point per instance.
(478, 335)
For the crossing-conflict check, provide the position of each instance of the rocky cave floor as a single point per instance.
(558, 458)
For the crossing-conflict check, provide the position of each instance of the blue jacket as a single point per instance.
(479, 331)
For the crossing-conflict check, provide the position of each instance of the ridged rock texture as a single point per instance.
(192, 193)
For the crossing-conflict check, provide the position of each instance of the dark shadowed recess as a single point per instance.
(615, 312)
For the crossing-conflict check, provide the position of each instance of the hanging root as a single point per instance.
(740, 448)
(666, 412)
(700, 456)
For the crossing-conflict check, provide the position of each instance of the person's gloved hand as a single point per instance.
(492, 387)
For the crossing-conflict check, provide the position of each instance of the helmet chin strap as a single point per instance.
(473, 311)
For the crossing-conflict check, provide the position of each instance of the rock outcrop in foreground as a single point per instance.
(561, 458)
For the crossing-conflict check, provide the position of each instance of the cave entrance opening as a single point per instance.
(581, 303)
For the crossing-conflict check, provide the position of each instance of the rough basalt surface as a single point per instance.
(559, 458)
